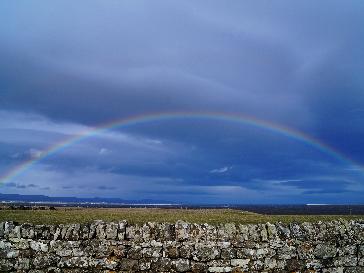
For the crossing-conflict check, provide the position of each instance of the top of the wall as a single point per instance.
(182, 231)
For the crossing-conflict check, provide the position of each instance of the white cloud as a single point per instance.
(35, 153)
(104, 151)
(221, 170)
(29, 121)
(36, 133)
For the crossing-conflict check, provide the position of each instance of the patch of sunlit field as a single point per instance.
(142, 215)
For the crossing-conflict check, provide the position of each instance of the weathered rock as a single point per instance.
(205, 252)
(181, 265)
(22, 264)
(2, 229)
(11, 254)
(152, 252)
(42, 232)
(327, 247)
(162, 264)
(44, 261)
(100, 230)
(119, 251)
(186, 251)
(11, 230)
(166, 232)
(263, 233)
(228, 253)
(270, 263)
(73, 232)
(272, 231)
(297, 231)
(245, 253)
(6, 265)
(198, 267)
(346, 261)
(227, 232)
(111, 231)
(354, 270)
(135, 252)
(286, 252)
(27, 231)
(323, 251)
(361, 250)
(254, 233)
(182, 230)
(294, 265)
(66, 248)
(220, 269)
(134, 233)
(77, 262)
(333, 270)
(84, 232)
(241, 263)
(19, 243)
(145, 264)
(283, 231)
(171, 250)
(305, 251)
(39, 246)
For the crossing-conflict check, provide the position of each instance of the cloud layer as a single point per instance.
(65, 69)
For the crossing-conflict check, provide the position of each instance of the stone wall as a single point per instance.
(336, 246)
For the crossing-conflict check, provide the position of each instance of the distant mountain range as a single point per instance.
(99, 200)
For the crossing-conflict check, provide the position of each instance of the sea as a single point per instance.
(269, 209)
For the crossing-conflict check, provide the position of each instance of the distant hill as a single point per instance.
(99, 200)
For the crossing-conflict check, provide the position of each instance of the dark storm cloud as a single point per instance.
(105, 188)
(67, 65)
(134, 58)
(321, 185)
(336, 98)
(171, 64)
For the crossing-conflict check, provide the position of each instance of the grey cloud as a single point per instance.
(20, 186)
(203, 68)
(322, 185)
(297, 64)
(106, 188)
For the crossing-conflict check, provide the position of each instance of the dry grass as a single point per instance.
(141, 215)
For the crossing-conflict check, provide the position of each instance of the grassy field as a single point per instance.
(141, 215)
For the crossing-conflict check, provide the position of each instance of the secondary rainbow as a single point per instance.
(139, 119)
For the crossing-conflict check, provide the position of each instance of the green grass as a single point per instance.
(141, 215)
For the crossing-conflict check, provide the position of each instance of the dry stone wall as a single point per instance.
(336, 246)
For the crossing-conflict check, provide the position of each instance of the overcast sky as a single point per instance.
(66, 66)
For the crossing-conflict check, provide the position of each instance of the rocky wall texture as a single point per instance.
(336, 246)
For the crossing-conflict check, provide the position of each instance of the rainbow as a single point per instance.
(139, 119)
